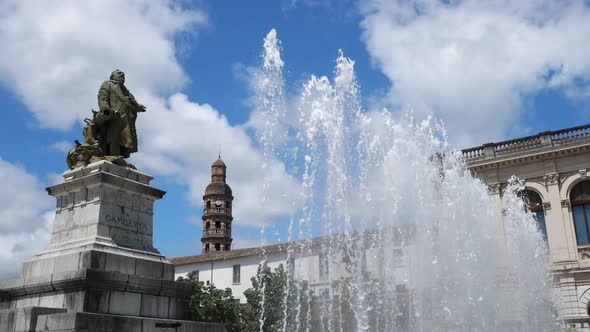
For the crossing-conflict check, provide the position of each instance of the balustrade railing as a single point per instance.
(572, 134)
(541, 140)
(214, 210)
(515, 145)
(217, 231)
(473, 153)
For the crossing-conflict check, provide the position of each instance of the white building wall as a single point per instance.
(220, 271)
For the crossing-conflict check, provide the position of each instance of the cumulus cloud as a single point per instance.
(473, 62)
(62, 146)
(56, 53)
(23, 231)
(182, 138)
(60, 52)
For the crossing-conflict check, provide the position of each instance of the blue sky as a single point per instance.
(489, 70)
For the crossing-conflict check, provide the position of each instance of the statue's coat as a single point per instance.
(121, 128)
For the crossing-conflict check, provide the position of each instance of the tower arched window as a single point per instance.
(208, 204)
(535, 204)
(580, 201)
(207, 225)
(218, 225)
(206, 247)
(217, 246)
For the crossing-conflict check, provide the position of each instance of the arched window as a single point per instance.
(535, 205)
(217, 246)
(580, 200)
(206, 247)
(207, 225)
(208, 204)
(217, 224)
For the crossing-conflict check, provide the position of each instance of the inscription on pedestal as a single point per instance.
(125, 221)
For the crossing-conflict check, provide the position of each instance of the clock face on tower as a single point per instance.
(218, 203)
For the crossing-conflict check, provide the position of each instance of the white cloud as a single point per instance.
(472, 62)
(23, 231)
(182, 138)
(56, 53)
(60, 52)
(54, 178)
(63, 146)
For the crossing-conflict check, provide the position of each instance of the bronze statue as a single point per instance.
(110, 134)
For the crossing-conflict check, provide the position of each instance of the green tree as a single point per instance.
(298, 311)
(277, 301)
(210, 304)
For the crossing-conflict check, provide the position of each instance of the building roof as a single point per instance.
(218, 162)
(235, 253)
(314, 243)
(218, 188)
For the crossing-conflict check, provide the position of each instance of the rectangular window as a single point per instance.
(398, 258)
(401, 288)
(540, 218)
(580, 222)
(236, 278)
(291, 265)
(324, 266)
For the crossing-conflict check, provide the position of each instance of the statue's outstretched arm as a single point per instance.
(139, 107)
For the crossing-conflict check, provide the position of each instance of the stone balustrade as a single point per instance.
(217, 231)
(544, 140)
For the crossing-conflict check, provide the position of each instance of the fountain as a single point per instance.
(413, 241)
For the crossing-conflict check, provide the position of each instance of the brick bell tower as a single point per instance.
(217, 216)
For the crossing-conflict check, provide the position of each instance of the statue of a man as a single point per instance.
(114, 124)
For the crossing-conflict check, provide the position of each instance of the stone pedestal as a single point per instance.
(101, 264)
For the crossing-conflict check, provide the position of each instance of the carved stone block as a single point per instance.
(494, 188)
(551, 179)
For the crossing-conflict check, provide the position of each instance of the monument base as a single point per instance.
(89, 322)
(100, 271)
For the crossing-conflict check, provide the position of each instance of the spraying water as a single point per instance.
(413, 242)
(268, 87)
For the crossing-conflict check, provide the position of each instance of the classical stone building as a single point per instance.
(217, 211)
(554, 167)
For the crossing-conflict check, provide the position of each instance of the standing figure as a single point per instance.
(114, 125)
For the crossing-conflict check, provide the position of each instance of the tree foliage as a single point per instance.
(210, 304)
(277, 301)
